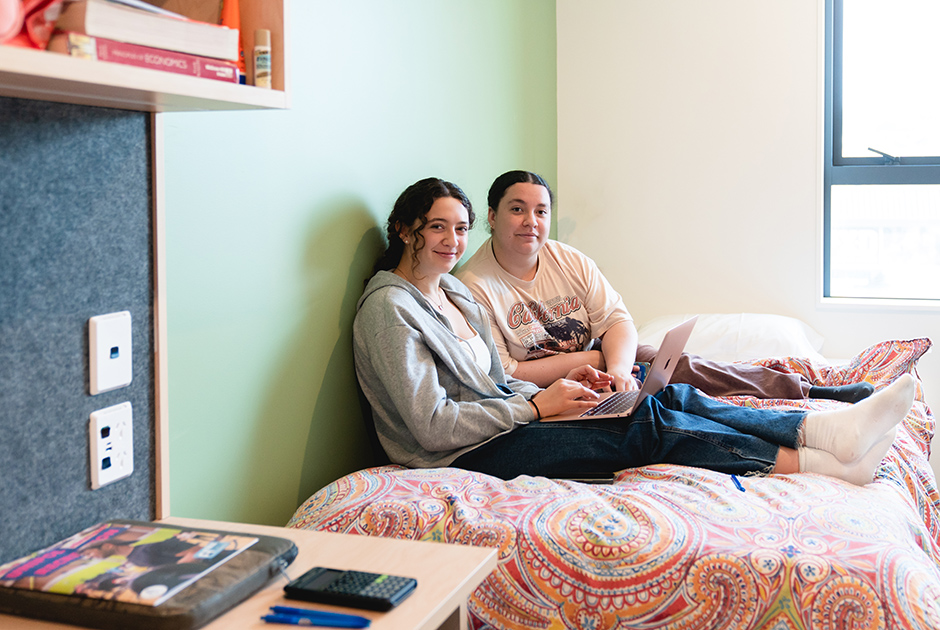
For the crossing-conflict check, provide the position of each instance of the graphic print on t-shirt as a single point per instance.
(544, 328)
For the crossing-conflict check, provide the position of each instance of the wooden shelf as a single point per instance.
(44, 76)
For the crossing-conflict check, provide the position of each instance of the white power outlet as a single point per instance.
(111, 444)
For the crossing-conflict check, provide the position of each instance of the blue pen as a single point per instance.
(295, 620)
(318, 614)
(737, 483)
(310, 617)
(288, 619)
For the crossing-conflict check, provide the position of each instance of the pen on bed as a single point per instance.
(734, 478)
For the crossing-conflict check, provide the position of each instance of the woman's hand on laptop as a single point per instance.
(591, 377)
(568, 394)
(624, 380)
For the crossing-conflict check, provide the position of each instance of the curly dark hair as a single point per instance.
(413, 205)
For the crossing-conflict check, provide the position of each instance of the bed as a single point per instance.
(676, 547)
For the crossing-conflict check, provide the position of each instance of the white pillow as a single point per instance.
(740, 336)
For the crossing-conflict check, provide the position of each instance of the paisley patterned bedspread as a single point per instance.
(683, 548)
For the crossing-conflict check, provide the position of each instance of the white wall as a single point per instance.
(694, 129)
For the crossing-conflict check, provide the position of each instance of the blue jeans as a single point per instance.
(677, 426)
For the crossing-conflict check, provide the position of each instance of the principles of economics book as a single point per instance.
(139, 563)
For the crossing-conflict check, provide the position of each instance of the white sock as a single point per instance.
(860, 472)
(850, 432)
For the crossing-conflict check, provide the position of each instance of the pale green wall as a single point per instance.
(273, 223)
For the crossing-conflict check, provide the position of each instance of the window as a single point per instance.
(882, 163)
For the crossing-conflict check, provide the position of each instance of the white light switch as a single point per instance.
(109, 352)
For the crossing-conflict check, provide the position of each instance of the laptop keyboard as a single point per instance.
(618, 402)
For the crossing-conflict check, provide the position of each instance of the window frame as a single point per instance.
(876, 170)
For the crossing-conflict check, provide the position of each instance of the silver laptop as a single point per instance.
(622, 404)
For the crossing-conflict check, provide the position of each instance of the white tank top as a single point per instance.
(478, 350)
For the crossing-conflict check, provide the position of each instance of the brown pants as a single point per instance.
(732, 379)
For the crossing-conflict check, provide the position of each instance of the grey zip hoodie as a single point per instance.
(430, 401)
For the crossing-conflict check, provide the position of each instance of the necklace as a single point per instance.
(439, 304)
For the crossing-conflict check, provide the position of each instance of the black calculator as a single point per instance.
(357, 589)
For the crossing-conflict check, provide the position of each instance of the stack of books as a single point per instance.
(136, 33)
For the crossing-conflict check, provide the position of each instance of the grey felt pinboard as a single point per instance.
(75, 242)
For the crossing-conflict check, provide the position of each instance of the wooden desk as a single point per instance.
(446, 574)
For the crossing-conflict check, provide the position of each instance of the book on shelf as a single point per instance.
(139, 563)
(116, 21)
(147, 6)
(203, 10)
(102, 49)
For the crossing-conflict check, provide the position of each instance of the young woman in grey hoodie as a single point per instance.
(427, 364)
